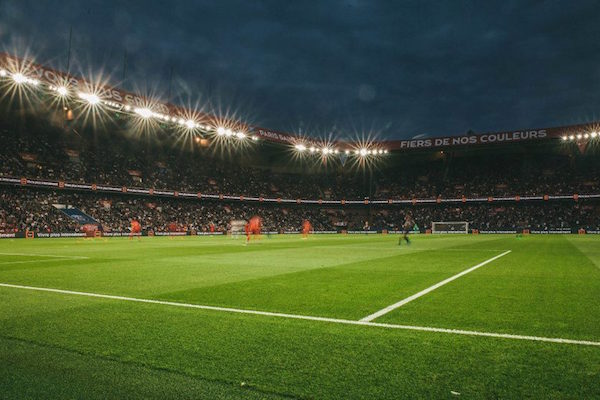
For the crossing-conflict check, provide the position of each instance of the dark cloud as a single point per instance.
(397, 68)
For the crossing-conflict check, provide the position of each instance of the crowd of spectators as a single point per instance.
(117, 159)
(30, 209)
(537, 216)
(35, 209)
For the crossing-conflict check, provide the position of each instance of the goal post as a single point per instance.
(450, 227)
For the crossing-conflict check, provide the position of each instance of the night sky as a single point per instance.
(394, 69)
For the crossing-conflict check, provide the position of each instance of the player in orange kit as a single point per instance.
(253, 227)
(136, 228)
(306, 228)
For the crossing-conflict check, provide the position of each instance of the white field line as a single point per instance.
(311, 318)
(385, 247)
(443, 249)
(33, 261)
(44, 255)
(423, 292)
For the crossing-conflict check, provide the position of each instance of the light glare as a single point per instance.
(90, 98)
(19, 79)
(144, 112)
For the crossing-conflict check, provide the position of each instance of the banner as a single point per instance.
(490, 138)
(59, 234)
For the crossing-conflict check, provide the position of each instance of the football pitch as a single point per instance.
(330, 317)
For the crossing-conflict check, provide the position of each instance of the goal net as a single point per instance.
(450, 227)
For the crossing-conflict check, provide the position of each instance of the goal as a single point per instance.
(450, 227)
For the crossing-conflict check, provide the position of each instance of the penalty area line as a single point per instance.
(310, 318)
(423, 292)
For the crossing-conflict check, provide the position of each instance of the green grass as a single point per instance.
(65, 346)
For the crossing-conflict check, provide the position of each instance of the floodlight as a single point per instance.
(363, 152)
(579, 136)
(593, 134)
(240, 135)
(300, 147)
(586, 136)
(19, 78)
(220, 131)
(144, 112)
(3, 72)
(346, 151)
(90, 98)
(190, 124)
(312, 149)
(63, 91)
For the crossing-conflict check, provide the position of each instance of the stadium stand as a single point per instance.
(542, 186)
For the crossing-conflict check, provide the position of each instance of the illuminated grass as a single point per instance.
(547, 286)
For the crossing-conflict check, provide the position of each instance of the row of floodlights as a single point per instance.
(145, 113)
(228, 133)
(363, 152)
(580, 136)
